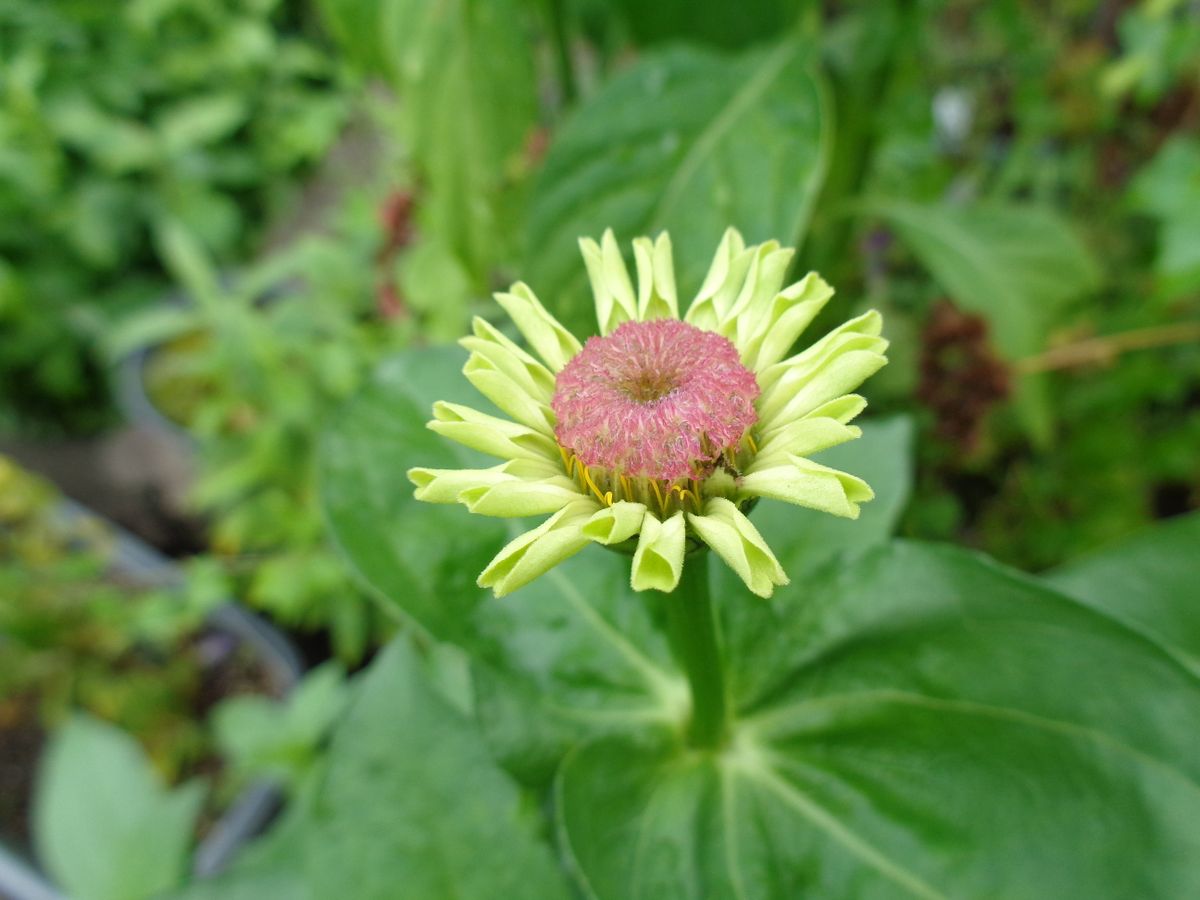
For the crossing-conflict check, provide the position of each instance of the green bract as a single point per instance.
(805, 406)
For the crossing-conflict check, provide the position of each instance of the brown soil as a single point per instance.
(21, 739)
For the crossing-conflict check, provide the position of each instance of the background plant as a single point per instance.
(112, 119)
(250, 366)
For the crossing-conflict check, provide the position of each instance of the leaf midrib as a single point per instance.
(843, 834)
(729, 113)
(658, 680)
(975, 708)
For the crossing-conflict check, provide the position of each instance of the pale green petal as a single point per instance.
(723, 282)
(615, 523)
(845, 408)
(868, 325)
(509, 358)
(764, 281)
(800, 394)
(656, 278)
(658, 560)
(444, 485)
(545, 334)
(789, 313)
(536, 552)
(801, 437)
(516, 498)
(490, 434)
(737, 541)
(809, 484)
(515, 488)
(825, 371)
(508, 395)
(613, 291)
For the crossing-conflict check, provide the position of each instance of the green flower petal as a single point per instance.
(788, 314)
(516, 488)
(764, 281)
(801, 437)
(536, 552)
(490, 434)
(553, 343)
(656, 278)
(613, 291)
(444, 485)
(510, 359)
(834, 365)
(508, 395)
(658, 560)
(737, 541)
(845, 408)
(509, 377)
(806, 483)
(516, 499)
(723, 282)
(615, 523)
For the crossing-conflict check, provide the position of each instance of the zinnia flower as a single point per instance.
(661, 433)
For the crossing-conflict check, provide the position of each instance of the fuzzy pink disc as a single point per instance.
(659, 399)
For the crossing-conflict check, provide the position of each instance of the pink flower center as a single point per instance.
(660, 399)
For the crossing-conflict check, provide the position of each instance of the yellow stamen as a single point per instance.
(568, 461)
(587, 476)
(750, 441)
(662, 504)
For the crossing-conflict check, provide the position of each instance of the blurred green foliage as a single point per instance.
(76, 633)
(113, 117)
(250, 367)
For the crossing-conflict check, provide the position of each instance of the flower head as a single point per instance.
(659, 433)
(661, 400)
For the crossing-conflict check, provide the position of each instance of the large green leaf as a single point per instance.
(465, 71)
(1015, 265)
(106, 829)
(919, 723)
(910, 721)
(688, 141)
(413, 806)
(1150, 581)
(410, 805)
(421, 559)
(710, 21)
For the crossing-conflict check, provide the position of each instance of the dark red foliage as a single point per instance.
(961, 378)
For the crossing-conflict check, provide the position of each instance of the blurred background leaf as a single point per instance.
(107, 829)
(688, 141)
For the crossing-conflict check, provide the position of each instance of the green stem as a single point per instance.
(693, 629)
(562, 50)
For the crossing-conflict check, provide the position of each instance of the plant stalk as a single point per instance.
(693, 629)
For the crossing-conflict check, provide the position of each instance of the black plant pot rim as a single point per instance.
(252, 810)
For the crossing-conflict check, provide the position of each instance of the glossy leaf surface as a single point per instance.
(410, 804)
(922, 724)
(1150, 580)
(685, 140)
